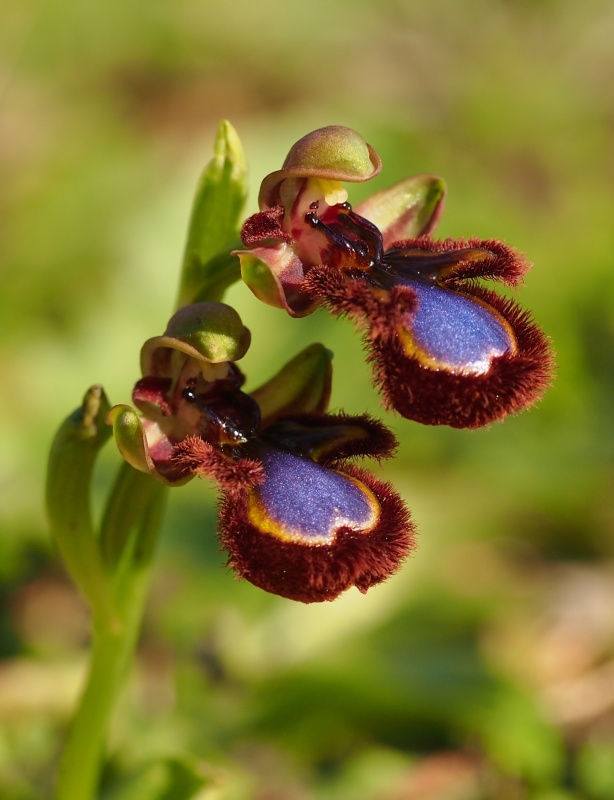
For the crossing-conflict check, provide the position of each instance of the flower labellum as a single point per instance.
(296, 518)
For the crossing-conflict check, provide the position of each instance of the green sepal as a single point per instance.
(261, 269)
(210, 332)
(215, 221)
(407, 209)
(261, 279)
(132, 443)
(302, 386)
(333, 153)
(69, 474)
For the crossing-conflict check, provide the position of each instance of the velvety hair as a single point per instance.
(438, 396)
(312, 573)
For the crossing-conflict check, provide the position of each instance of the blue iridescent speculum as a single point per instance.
(451, 330)
(329, 500)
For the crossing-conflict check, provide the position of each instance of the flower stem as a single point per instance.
(113, 646)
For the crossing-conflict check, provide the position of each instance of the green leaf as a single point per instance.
(214, 224)
(179, 778)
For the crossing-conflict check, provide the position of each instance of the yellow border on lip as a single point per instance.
(265, 523)
(414, 350)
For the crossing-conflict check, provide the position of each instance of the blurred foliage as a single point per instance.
(486, 668)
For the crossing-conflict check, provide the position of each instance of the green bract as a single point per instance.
(207, 268)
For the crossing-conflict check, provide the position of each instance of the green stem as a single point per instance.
(221, 272)
(82, 756)
(127, 503)
(114, 646)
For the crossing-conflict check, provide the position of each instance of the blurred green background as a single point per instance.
(485, 669)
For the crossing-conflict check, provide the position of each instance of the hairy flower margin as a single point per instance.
(445, 350)
(296, 517)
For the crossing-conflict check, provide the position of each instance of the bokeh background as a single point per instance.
(485, 669)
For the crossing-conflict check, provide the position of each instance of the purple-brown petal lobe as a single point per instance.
(150, 394)
(330, 437)
(468, 258)
(265, 227)
(194, 456)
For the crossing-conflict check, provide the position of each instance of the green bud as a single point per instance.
(302, 386)
(207, 269)
(69, 475)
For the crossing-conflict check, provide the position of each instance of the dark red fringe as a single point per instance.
(195, 456)
(438, 397)
(314, 573)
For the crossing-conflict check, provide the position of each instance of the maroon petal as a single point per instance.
(265, 227)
